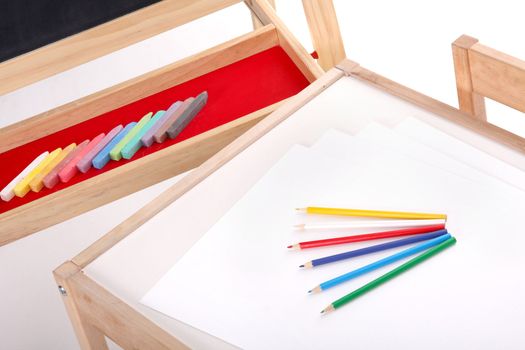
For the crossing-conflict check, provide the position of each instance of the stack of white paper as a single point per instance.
(241, 284)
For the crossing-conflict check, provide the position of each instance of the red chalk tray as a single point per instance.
(235, 90)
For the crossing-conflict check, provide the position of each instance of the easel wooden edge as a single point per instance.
(102, 40)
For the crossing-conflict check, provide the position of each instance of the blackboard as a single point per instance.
(26, 25)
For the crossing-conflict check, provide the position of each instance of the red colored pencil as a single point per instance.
(366, 237)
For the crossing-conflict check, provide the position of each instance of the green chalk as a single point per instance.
(115, 153)
(135, 144)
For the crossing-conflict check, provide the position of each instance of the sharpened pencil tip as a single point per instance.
(322, 311)
(301, 265)
(290, 246)
(310, 291)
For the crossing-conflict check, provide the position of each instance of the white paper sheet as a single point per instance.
(461, 151)
(240, 283)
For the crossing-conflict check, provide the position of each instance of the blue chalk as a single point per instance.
(383, 262)
(102, 158)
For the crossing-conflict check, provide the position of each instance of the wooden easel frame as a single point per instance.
(485, 72)
(95, 312)
(144, 172)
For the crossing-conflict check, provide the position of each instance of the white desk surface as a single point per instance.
(134, 265)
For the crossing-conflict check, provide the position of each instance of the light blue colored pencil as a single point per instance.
(380, 263)
(135, 143)
(102, 158)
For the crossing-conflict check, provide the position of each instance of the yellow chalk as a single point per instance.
(23, 186)
(38, 182)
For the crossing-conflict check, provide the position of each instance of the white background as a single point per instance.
(405, 40)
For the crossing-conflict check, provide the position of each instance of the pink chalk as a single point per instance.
(85, 163)
(71, 169)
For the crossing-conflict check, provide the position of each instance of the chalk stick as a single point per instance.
(85, 163)
(103, 156)
(71, 168)
(116, 152)
(135, 143)
(8, 192)
(162, 133)
(38, 182)
(147, 139)
(195, 107)
(52, 178)
(23, 186)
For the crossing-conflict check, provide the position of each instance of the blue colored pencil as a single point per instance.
(380, 263)
(373, 249)
(102, 158)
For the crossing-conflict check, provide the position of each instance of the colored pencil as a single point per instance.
(380, 263)
(103, 157)
(366, 237)
(135, 143)
(373, 249)
(8, 191)
(389, 275)
(369, 224)
(371, 213)
(38, 182)
(116, 152)
(195, 107)
(148, 138)
(22, 187)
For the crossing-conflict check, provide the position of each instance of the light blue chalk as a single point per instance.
(102, 158)
(383, 262)
(135, 144)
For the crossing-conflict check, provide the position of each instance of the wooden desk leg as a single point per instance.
(256, 21)
(470, 102)
(89, 337)
(324, 30)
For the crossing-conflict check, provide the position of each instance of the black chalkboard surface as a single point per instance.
(26, 25)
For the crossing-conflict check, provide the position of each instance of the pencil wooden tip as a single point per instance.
(299, 226)
(315, 290)
(328, 309)
(294, 246)
(307, 265)
(300, 209)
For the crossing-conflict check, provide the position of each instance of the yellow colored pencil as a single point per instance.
(38, 182)
(22, 188)
(371, 213)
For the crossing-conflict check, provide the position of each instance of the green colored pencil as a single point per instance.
(388, 276)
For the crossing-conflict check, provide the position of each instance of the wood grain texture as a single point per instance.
(287, 41)
(470, 102)
(498, 76)
(101, 310)
(89, 337)
(324, 30)
(134, 176)
(103, 39)
(256, 21)
(481, 127)
(119, 95)
(207, 168)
